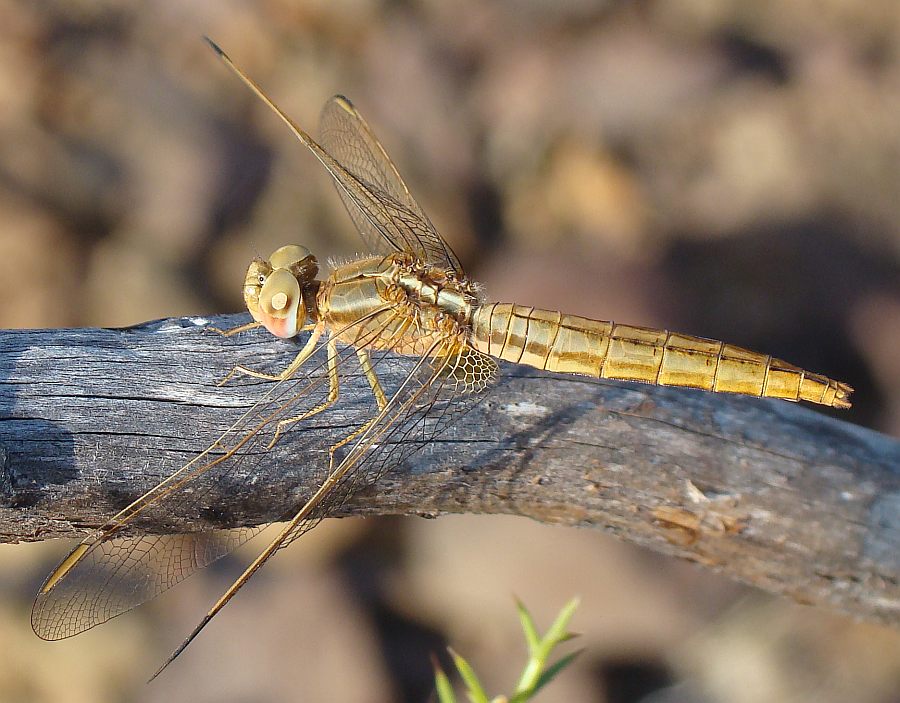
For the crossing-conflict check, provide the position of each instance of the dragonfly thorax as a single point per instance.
(428, 285)
(395, 302)
(280, 291)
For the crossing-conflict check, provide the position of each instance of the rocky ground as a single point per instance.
(726, 169)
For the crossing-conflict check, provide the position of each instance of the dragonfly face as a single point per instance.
(277, 290)
(409, 305)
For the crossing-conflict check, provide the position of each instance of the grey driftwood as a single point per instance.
(773, 494)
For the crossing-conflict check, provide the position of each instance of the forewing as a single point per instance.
(398, 221)
(434, 395)
(383, 209)
(121, 566)
(429, 397)
(118, 573)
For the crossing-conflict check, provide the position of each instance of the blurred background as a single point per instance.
(726, 169)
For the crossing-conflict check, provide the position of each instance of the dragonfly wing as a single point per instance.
(116, 574)
(122, 565)
(436, 393)
(369, 185)
(433, 394)
(345, 134)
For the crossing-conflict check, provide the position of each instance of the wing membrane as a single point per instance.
(122, 565)
(114, 570)
(435, 392)
(116, 574)
(382, 209)
(346, 135)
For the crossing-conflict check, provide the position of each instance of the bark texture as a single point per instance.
(770, 493)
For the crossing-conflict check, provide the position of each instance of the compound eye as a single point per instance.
(280, 306)
(287, 256)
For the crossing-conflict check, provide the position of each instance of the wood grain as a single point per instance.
(770, 493)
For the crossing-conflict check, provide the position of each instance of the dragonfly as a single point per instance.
(410, 299)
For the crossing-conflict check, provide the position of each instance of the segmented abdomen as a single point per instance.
(553, 341)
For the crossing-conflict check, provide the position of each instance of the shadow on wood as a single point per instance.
(770, 493)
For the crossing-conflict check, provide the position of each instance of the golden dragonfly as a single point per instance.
(410, 299)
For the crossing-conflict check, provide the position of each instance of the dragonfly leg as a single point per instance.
(291, 368)
(366, 363)
(234, 330)
(333, 394)
(252, 325)
(346, 440)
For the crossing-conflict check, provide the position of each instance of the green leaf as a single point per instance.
(551, 673)
(531, 635)
(557, 632)
(442, 683)
(474, 691)
(529, 676)
(540, 652)
(570, 636)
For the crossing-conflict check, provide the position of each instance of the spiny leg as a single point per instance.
(252, 325)
(346, 440)
(333, 394)
(366, 364)
(281, 539)
(291, 368)
(290, 530)
(334, 387)
(380, 399)
(234, 330)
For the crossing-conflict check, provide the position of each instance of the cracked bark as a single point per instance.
(770, 493)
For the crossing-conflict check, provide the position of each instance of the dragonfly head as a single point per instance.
(275, 289)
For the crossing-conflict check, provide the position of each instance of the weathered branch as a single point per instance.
(770, 493)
